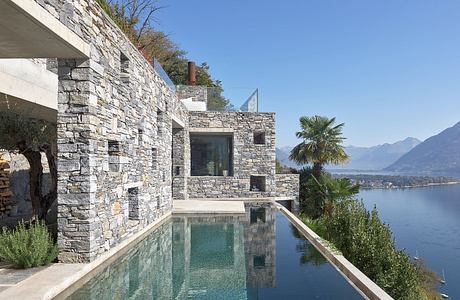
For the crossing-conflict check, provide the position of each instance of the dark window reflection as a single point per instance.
(211, 155)
(259, 261)
(258, 214)
(133, 274)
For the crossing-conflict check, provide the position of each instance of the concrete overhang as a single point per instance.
(32, 82)
(28, 89)
(211, 130)
(27, 30)
(177, 122)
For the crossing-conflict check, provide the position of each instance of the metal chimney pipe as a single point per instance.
(191, 73)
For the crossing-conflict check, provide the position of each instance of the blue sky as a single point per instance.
(387, 69)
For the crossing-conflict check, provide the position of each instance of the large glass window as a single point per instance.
(211, 155)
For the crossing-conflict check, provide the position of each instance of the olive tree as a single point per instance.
(31, 137)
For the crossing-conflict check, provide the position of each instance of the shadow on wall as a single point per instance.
(21, 206)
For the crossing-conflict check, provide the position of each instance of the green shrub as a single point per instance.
(27, 247)
(368, 244)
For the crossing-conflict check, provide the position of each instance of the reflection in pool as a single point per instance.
(256, 256)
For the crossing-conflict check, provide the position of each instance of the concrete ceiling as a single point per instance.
(29, 31)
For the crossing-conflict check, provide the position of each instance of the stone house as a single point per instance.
(128, 143)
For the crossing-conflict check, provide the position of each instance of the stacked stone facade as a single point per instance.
(249, 159)
(197, 93)
(114, 115)
(287, 185)
(123, 140)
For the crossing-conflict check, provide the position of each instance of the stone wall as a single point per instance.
(114, 114)
(196, 92)
(117, 151)
(18, 185)
(287, 185)
(249, 159)
(287, 188)
(181, 163)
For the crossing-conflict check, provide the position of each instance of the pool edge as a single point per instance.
(366, 287)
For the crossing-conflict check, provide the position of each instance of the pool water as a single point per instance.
(256, 256)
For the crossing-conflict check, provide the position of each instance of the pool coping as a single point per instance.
(365, 286)
(57, 281)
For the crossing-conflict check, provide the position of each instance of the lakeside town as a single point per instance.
(397, 181)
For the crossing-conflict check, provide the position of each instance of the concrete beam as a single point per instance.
(212, 130)
(29, 81)
(27, 30)
(177, 122)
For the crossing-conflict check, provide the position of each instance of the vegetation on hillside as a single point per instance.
(136, 19)
(330, 207)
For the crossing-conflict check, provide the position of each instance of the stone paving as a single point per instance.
(10, 276)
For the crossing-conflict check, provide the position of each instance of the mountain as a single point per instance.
(282, 155)
(377, 157)
(363, 158)
(439, 154)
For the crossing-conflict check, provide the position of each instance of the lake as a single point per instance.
(424, 221)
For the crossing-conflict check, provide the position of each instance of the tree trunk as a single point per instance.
(40, 203)
(35, 175)
(48, 199)
(317, 169)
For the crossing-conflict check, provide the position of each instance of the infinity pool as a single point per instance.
(256, 256)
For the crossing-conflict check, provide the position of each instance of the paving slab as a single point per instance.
(207, 207)
(10, 276)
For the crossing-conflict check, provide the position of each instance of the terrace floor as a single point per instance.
(10, 276)
(213, 207)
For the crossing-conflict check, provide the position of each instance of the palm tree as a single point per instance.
(322, 143)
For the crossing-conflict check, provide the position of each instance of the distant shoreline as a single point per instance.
(367, 181)
(409, 186)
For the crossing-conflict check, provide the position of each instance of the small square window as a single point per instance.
(124, 63)
(114, 148)
(124, 68)
(259, 261)
(257, 184)
(154, 158)
(114, 152)
(133, 203)
(160, 120)
(259, 138)
(140, 135)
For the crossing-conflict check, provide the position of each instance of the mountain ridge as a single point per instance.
(363, 158)
(439, 154)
